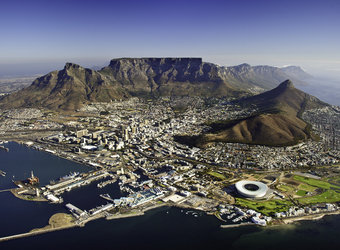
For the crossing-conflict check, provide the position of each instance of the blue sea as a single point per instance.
(325, 89)
(162, 228)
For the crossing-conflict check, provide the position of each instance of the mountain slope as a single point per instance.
(75, 86)
(66, 89)
(277, 122)
(168, 77)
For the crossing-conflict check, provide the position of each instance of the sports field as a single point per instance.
(315, 183)
(328, 197)
(265, 207)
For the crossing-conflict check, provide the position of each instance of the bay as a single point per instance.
(162, 228)
(325, 89)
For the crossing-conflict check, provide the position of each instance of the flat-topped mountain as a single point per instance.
(277, 121)
(74, 86)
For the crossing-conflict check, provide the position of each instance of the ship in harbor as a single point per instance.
(3, 173)
(4, 148)
(69, 176)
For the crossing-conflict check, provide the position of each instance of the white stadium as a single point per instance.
(251, 189)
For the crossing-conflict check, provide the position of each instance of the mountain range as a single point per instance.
(74, 86)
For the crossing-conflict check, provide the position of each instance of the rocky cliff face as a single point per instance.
(74, 86)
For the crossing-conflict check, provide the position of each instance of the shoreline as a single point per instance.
(309, 217)
(37, 199)
(141, 212)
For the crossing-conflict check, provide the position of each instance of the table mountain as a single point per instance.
(75, 86)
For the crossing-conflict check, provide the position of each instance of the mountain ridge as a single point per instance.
(296, 71)
(74, 86)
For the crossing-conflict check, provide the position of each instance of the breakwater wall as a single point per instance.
(42, 231)
(237, 225)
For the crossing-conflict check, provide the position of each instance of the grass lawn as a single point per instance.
(217, 175)
(315, 183)
(265, 207)
(301, 193)
(306, 187)
(328, 196)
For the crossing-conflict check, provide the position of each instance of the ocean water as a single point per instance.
(162, 228)
(325, 89)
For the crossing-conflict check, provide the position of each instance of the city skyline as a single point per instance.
(43, 36)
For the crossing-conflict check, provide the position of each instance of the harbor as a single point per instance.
(127, 192)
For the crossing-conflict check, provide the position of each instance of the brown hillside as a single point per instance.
(276, 123)
(68, 89)
(269, 129)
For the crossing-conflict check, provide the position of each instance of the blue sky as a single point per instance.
(40, 36)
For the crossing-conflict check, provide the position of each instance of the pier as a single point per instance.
(18, 236)
(238, 225)
(5, 190)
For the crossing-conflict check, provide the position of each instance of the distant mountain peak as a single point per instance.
(70, 65)
(286, 85)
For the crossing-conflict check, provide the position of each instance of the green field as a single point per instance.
(265, 207)
(328, 196)
(217, 175)
(315, 183)
(301, 193)
(306, 187)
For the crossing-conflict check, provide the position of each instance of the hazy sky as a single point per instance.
(40, 36)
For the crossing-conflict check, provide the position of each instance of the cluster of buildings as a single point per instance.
(25, 119)
(296, 211)
(326, 123)
(237, 214)
(121, 137)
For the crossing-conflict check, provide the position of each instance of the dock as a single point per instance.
(238, 225)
